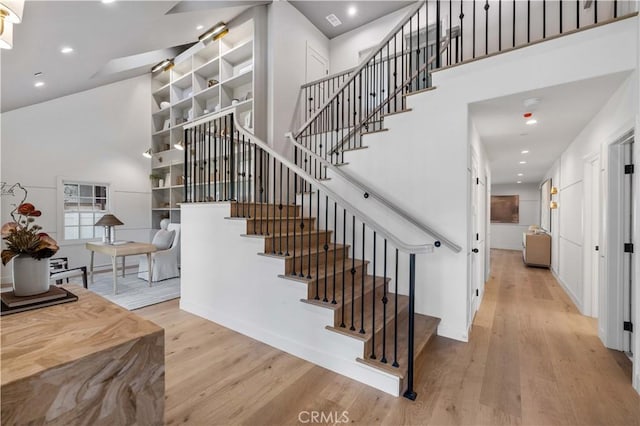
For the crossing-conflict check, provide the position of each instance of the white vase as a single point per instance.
(30, 276)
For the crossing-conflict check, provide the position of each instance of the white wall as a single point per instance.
(96, 135)
(509, 235)
(289, 33)
(438, 153)
(346, 47)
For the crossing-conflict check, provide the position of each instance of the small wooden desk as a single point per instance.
(86, 362)
(120, 250)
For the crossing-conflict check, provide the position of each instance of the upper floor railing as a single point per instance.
(432, 35)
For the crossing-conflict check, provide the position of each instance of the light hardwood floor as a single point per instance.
(532, 359)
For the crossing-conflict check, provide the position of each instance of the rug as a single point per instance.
(133, 292)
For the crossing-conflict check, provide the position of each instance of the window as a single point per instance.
(84, 205)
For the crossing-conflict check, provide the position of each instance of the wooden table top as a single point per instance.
(127, 249)
(35, 341)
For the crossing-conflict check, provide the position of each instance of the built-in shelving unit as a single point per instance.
(206, 79)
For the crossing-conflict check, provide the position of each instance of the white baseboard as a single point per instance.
(350, 368)
(453, 333)
(567, 290)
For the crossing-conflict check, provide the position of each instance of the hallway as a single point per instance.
(532, 359)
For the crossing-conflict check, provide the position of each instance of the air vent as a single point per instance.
(333, 20)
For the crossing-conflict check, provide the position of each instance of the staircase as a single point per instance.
(363, 306)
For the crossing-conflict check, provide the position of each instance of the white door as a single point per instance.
(317, 66)
(476, 256)
(627, 281)
(591, 235)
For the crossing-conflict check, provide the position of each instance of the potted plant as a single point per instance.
(155, 180)
(30, 250)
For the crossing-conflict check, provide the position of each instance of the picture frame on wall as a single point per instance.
(505, 209)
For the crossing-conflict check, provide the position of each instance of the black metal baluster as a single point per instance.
(473, 53)
(335, 240)
(577, 13)
(364, 275)
(373, 302)
(395, 317)
(528, 21)
(303, 183)
(318, 248)
(280, 207)
(461, 17)
(544, 19)
(499, 25)
(353, 272)
(595, 11)
(295, 217)
(326, 244)
(560, 5)
(410, 393)
(208, 138)
(513, 35)
(288, 208)
(309, 225)
(449, 29)
(344, 261)
(384, 307)
(615, 8)
(486, 27)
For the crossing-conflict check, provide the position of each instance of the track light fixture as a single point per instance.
(219, 30)
(165, 65)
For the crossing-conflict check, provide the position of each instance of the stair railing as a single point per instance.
(224, 162)
(435, 34)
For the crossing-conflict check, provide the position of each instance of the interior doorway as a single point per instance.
(591, 272)
(317, 66)
(616, 298)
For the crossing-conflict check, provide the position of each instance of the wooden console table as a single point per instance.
(86, 362)
(120, 250)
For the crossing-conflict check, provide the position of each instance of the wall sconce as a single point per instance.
(109, 221)
(179, 146)
(218, 31)
(553, 205)
(10, 14)
(554, 190)
(165, 65)
(147, 153)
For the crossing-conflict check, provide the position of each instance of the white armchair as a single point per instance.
(164, 262)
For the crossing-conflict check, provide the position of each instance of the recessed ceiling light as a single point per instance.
(523, 162)
(519, 181)
(199, 27)
(524, 151)
(352, 11)
(520, 174)
(108, 1)
(532, 122)
(66, 49)
(39, 83)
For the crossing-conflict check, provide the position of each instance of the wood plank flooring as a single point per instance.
(532, 359)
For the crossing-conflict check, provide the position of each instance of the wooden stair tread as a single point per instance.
(425, 328)
(290, 234)
(403, 304)
(400, 111)
(339, 296)
(327, 271)
(304, 251)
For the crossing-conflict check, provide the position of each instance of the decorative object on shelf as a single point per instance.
(179, 146)
(205, 111)
(160, 183)
(166, 147)
(165, 65)
(234, 101)
(109, 222)
(164, 105)
(217, 108)
(247, 120)
(248, 96)
(167, 124)
(190, 114)
(155, 178)
(212, 82)
(216, 32)
(29, 249)
(180, 180)
(148, 153)
(10, 13)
